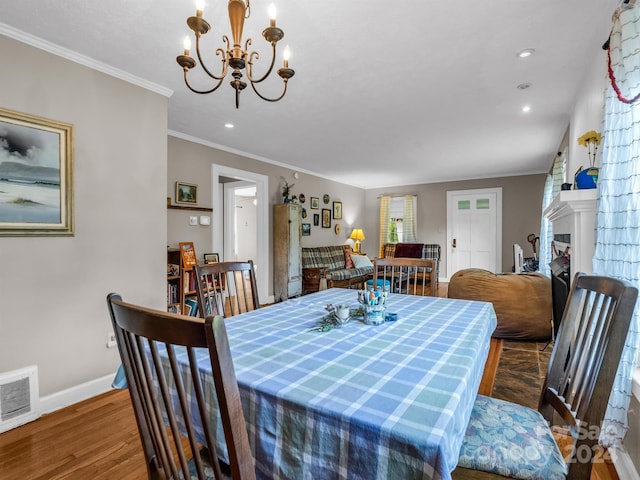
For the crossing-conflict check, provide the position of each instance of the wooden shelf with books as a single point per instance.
(181, 280)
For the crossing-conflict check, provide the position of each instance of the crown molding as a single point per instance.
(76, 57)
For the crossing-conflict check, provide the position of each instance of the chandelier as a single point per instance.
(236, 57)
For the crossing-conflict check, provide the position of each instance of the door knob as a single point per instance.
(453, 243)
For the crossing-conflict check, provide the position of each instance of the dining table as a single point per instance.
(358, 401)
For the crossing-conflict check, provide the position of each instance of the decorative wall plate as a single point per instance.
(325, 198)
(337, 229)
(301, 197)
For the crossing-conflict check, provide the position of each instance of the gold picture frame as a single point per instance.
(186, 193)
(36, 175)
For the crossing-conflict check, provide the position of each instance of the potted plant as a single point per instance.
(587, 178)
(286, 192)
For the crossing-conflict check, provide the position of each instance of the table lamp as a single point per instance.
(358, 235)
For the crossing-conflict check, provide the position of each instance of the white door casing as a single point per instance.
(474, 230)
(262, 259)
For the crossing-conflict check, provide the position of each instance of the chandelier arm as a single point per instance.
(256, 55)
(219, 51)
(186, 81)
(270, 99)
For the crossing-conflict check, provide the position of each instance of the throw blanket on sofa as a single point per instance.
(409, 250)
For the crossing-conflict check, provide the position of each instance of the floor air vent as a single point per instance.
(18, 397)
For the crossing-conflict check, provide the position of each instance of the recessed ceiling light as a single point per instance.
(527, 52)
(526, 109)
(228, 125)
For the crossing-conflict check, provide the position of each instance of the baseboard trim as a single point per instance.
(76, 394)
(623, 463)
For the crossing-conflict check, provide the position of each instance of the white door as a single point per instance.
(474, 230)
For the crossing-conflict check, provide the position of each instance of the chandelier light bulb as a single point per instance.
(199, 7)
(187, 45)
(272, 15)
(287, 53)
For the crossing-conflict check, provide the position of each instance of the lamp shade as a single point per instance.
(357, 234)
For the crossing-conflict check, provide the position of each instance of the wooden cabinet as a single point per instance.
(287, 251)
(311, 278)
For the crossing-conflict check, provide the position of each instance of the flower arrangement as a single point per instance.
(591, 140)
(286, 191)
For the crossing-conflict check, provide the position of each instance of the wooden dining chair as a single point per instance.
(414, 276)
(226, 288)
(504, 439)
(169, 398)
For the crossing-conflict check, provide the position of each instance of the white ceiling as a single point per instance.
(385, 92)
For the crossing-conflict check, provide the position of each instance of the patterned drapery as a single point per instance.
(617, 251)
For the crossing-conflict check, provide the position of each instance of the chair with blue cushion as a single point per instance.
(168, 397)
(504, 439)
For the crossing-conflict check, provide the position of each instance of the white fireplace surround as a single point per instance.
(573, 212)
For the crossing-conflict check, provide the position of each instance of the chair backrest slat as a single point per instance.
(414, 276)
(158, 352)
(585, 360)
(226, 288)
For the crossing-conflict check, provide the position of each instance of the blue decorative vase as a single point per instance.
(587, 178)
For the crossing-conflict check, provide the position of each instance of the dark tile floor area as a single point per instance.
(521, 371)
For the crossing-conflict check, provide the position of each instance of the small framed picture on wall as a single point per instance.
(306, 229)
(337, 210)
(326, 218)
(316, 219)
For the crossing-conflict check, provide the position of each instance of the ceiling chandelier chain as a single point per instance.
(234, 56)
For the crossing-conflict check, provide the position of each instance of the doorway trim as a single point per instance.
(262, 222)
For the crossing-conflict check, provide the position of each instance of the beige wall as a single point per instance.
(521, 213)
(190, 162)
(53, 312)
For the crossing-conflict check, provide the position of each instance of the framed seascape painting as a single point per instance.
(186, 193)
(36, 175)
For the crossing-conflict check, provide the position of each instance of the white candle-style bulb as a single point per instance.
(287, 53)
(187, 45)
(199, 7)
(272, 15)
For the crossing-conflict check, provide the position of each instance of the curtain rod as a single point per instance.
(397, 195)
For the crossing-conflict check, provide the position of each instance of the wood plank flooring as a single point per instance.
(98, 439)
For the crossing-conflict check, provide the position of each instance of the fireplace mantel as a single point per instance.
(573, 212)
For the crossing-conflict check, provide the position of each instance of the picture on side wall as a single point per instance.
(326, 218)
(315, 203)
(211, 258)
(186, 193)
(306, 229)
(337, 210)
(36, 175)
(316, 219)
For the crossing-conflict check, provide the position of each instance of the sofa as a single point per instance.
(522, 301)
(414, 250)
(328, 265)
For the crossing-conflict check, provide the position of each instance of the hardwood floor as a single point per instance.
(98, 439)
(93, 440)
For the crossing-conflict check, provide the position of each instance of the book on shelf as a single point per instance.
(188, 253)
(191, 306)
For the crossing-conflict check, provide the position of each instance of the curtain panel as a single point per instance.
(617, 251)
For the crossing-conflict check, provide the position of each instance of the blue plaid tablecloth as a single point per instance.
(359, 402)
